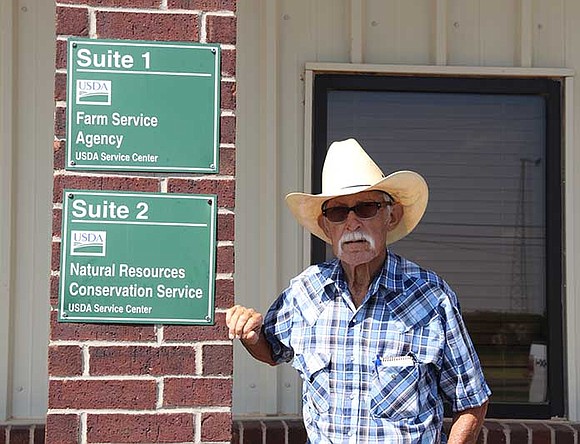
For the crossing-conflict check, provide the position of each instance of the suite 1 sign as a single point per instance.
(137, 258)
(142, 106)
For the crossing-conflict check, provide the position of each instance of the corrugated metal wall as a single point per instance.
(26, 111)
(277, 38)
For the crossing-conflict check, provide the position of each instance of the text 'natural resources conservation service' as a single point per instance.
(137, 257)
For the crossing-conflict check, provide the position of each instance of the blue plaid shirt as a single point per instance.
(378, 373)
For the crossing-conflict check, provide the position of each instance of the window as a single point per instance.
(490, 150)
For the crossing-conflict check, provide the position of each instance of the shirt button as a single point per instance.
(351, 358)
(352, 396)
(350, 433)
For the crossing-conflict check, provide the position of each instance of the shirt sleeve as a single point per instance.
(461, 380)
(277, 327)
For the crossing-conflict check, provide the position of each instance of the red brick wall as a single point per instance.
(144, 383)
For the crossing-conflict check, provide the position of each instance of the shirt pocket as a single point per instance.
(314, 370)
(394, 391)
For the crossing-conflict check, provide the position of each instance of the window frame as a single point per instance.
(552, 89)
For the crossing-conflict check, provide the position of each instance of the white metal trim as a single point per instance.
(439, 70)
(6, 213)
(571, 249)
(308, 103)
(269, 187)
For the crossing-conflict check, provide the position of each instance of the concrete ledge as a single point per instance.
(286, 430)
(290, 430)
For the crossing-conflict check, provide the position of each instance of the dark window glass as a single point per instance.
(486, 158)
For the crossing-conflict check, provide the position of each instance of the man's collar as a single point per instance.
(390, 277)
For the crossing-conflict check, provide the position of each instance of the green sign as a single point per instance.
(142, 106)
(137, 258)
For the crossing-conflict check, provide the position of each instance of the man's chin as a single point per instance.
(359, 253)
(356, 246)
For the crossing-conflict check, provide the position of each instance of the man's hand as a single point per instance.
(244, 324)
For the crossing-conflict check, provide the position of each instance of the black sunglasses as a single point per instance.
(363, 210)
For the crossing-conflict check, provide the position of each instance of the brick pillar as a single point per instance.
(145, 383)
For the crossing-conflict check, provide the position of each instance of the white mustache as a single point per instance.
(353, 236)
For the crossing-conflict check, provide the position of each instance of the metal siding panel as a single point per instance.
(499, 26)
(525, 48)
(548, 33)
(276, 38)
(441, 31)
(33, 209)
(332, 29)
(270, 128)
(464, 33)
(399, 31)
(357, 21)
(319, 30)
(6, 173)
(253, 381)
(483, 32)
(381, 38)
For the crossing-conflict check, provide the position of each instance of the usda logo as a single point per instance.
(88, 243)
(93, 92)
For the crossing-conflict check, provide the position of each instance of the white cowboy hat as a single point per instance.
(348, 169)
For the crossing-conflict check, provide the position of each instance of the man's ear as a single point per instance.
(322, 225)
(395, 217)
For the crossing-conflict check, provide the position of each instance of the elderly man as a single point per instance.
(378, 341)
